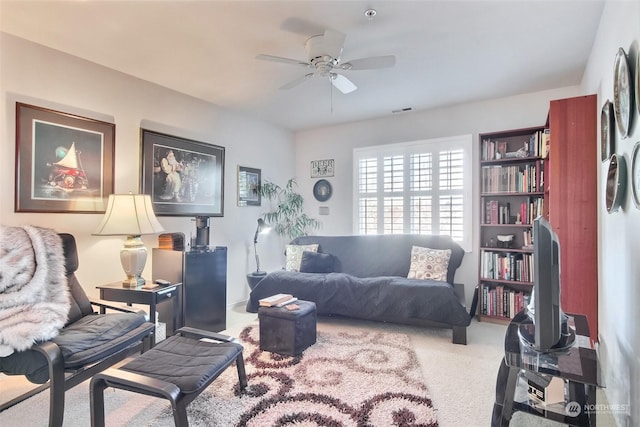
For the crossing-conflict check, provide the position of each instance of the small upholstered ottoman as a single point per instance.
(287, 332)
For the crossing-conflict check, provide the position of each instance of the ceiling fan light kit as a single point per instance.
(323, 52)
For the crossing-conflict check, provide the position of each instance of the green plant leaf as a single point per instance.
(288, 217)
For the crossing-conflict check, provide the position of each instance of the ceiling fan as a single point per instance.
(324, 53)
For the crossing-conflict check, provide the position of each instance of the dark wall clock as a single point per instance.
(637, 83)
(616, 183)
(622, 95)
(608, 131)
(322, 190)
(635, 174)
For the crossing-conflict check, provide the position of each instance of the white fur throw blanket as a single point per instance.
(34, 295)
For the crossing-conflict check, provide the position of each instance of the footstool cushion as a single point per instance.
(287, 332)
(185, 362)
(177, 369)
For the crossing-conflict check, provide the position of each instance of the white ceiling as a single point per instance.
(447, 52)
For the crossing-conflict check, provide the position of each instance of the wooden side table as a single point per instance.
(151, 297)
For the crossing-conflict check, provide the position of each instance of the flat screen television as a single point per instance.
(548, 329)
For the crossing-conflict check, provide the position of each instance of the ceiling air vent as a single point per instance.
(402, 110)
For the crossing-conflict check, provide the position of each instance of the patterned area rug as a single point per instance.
(364, 378)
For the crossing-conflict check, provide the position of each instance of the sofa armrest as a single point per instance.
(458, 289)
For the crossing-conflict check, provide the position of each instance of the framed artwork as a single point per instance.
(182, 176)
(322, 168)
(64, 162)
(249, 182)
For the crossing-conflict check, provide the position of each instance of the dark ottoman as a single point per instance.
(287, 332)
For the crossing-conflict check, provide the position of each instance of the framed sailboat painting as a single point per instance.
(64, 162)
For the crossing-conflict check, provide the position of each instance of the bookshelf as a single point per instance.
(572, 201)
(512, 195)
(558, 181)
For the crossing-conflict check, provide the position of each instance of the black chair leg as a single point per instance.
(96, 398)
(56, 402)
(180, 414)
(57, 386)
(242, 376)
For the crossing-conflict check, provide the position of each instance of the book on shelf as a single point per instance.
(493, 210)
(509, 179)
(544, 143)
(538, 145)
(515, 267)
(500, 301)
(527, 240)
(274, 300)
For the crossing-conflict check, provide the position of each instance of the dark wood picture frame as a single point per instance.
(249, 182)
(183, 177)
(64, 162)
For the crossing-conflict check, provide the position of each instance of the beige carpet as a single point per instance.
(348, 378)
(460, 379)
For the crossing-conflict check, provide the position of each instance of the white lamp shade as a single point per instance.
(129, 215)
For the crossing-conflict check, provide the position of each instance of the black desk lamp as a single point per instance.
(263, 228)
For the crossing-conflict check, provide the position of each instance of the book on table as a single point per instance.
(275, 300)
(287, 302)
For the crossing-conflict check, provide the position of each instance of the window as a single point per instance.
(422, 187)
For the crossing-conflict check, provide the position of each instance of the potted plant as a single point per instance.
(288, 217)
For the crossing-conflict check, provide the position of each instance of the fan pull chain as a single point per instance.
(331, 93)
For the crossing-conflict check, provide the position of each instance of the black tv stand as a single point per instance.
(527, 333)
(577, 365)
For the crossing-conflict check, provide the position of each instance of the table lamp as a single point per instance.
(130, 215)
(263, 228)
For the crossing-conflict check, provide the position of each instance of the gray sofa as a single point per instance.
(368, 280)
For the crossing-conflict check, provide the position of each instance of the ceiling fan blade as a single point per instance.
(282, 60)
(332, 43)
(297, 81)
(342, 83)
(371, 63)
(301, 26)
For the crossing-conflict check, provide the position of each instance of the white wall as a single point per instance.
(44, 77)
(338, 143)
(618, 233)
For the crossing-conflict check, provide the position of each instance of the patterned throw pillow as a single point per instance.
(294, 255)
(429, 264)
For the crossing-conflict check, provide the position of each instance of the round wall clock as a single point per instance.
(635, 174)
(607, 131)
(622, 95)
(637, 84)
(322, 190)
(616, 183)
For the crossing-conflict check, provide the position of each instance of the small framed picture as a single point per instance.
(249, 182)
(322, 168)
(501, 150)
(183, 177)
(64, 162)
